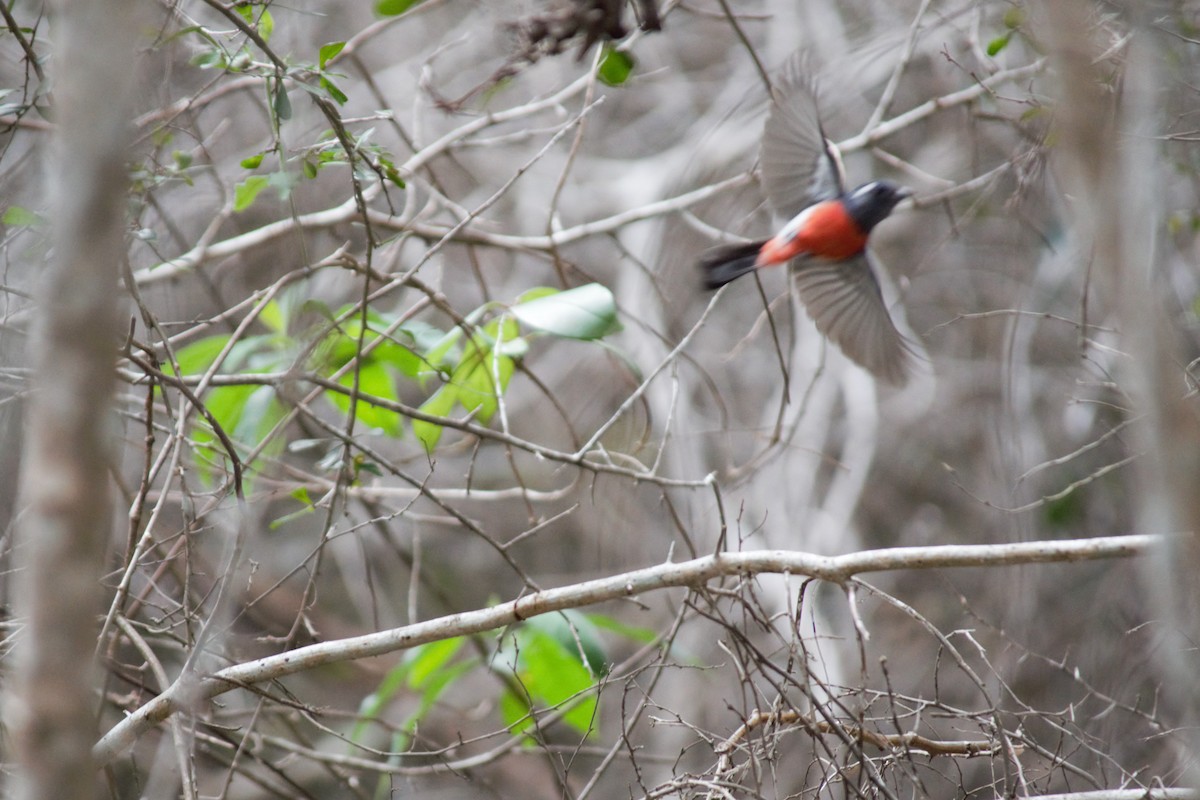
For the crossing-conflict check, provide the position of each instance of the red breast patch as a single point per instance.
(825, 230)
(829, 232)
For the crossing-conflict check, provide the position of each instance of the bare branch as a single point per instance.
(696, 572)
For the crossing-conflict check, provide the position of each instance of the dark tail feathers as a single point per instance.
(722, 264)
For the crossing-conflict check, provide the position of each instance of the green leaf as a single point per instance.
(480, 377)
(642, 635)
(579, 636)
(615, 67)
(182, 160)
(438, 353)
(342, 345)
(399, 358)
(430, 658)
(260, 412)
(586, 312)
(208, 59)
(393, 8)
(280, 102)
(999, 43)
(1066, 512)
(333, 91)
(1031, 113)
(393, 175)
(273, 317)
(424, 336)
(247, 191)
(551, 674)
(514, 711)
(253, 161)
(362, 464)
(375, 380)
(199, 355)
(226, 404)
(426, 669)
(266, 25)
(486, 367)
(17, 216)
(536, 293)
(439, 405)
(1014, 17)
(279, 522)
(479, 391)
(262, 352)
(328, 52)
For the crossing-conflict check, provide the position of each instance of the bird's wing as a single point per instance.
(844, 300)
(799, 165)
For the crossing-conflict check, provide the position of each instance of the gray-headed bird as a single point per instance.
(825, 239)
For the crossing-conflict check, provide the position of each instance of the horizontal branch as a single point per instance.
(694, 573)
(1122, 794)
(967, 748)
(186, 262)
(575, 233)
(348, 210)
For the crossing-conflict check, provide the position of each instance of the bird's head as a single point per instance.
(870, 204)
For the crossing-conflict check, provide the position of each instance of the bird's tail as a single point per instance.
(722, 264)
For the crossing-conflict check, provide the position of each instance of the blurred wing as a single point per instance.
(799, 166)
(844, 300)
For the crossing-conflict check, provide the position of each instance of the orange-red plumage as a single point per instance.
(826, 231)
(825, 238)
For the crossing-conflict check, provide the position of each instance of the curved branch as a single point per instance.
(697, 572)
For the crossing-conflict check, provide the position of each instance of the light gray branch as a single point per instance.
(694, 573)
(1122, 794)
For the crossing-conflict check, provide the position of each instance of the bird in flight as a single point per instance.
(825, 239)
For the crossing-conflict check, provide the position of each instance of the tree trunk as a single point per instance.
(64, 526)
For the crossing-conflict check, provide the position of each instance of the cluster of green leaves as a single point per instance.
(160, 171)
(249, 412)
(369, 159)
(614, 69)
(552, 661)
(467, 367)
(328, 149)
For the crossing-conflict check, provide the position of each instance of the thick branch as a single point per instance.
(1123, 794)
(696, 572)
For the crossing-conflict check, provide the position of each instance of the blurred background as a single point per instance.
(503, 146)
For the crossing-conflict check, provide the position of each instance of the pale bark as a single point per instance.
(64, 526)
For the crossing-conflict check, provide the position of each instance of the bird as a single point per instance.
(825, 238)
